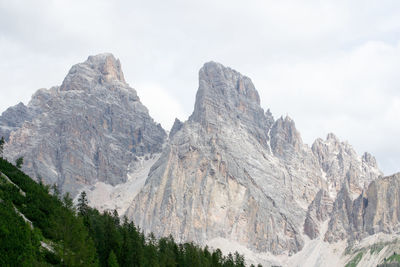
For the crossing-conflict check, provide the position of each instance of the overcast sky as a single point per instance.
(332, 65)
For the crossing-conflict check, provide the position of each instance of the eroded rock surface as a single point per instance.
(231, 171)
(88, 129)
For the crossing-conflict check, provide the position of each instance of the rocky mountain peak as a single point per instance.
(175, 127)
(284, 136)
(369, 159)
(224, 92)
(340, 162)
(223, 79)
(90, 129)
(12, 118)
(332, 137)
(226, 98)
(101, 68)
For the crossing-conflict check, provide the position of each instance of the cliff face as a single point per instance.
(232, 171)
(88, 129)
(13, 118)
(341, 163)
(375, 211)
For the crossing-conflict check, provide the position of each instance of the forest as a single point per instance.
(41, 227)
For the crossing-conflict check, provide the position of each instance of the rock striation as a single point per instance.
(13, 118)
(319, 211)
(340, 163)
(376, 210)
(232, 171)
(89, 129)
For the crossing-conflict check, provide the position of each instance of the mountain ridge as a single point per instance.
(215, 177)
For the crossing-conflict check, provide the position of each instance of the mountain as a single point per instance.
(39, 228)
(233, 172)
(91, 128)
(230, 176)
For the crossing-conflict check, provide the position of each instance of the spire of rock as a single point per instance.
(102, 68)
(284, 137)
(367, 158)
(226, 97)
(176, 127)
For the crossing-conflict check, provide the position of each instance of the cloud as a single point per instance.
(353, 93)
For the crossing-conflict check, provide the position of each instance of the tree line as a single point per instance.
(67, 235)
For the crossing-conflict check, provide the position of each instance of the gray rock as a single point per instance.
(375, 210)
(13, 118)
(382, 212)
(230, 171)
(319, 210)
(218, 177)
(340, 224)
(176, 127)
(339, 162)
(89, 129)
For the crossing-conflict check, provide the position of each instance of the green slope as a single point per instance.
(55, 233)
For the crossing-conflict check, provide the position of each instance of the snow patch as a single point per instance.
(104, 196)
(314, 253)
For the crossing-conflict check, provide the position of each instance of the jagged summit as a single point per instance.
(101, 68)
(230, 172)
(284, 137)
(89, 129)
(223, 90)
(226, 97)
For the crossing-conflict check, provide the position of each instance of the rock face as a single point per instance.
(341, 163)
(13, 118)
(375, 210)
(88, 129)
(231, 171)
(175, 127)
(382, 212)
(318, 211)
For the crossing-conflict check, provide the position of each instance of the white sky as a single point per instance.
(331, 65)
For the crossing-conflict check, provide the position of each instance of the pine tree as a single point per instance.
(239, 260)
(112, 260)
(19, 162)
(83, 204)
(1, 146)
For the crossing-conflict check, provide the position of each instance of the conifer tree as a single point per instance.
(83, 204)
(19, 162)
(1, 146)
(112, 260)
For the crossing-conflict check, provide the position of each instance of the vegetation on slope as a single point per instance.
(64, 235)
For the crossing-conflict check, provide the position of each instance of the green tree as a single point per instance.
(76, 247)
(1, 146)
(83, 205)
(239, 260)
(19, 162)
(112, 260)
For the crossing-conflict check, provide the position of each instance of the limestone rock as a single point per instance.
(13, 118)
(175, 128)
(218, 177)
(89, 129)
(230, 172)
(382, 213)
(340, 224)
(376, 210)
(318, 211)
(285, 137)
(340, 162)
